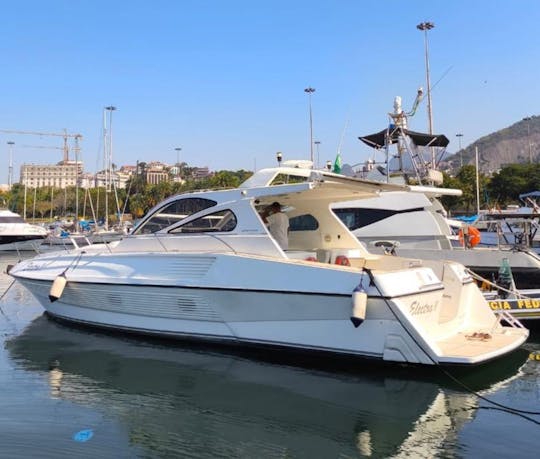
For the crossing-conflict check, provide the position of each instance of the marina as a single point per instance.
(219, 238)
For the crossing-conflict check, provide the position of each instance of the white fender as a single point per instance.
(359, 302)
(57, 287)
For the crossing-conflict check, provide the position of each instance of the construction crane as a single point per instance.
(45, 147)
(65, 135)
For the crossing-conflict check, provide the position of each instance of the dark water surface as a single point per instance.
(73, 392)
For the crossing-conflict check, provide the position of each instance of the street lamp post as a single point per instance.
(10, 168)
(309, 91)
(317, 142)
(178, 150)
(459, 136)
(425, 26)
(528, 119)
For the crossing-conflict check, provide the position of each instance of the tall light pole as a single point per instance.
(10, 169)
(317, 142)
(309, 91)
(459, 136)
(528, 119)
(425, 26)
(178, 150)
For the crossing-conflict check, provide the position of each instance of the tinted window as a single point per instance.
(355, 218)
(173, 213)
(11, 220)
(303, 223)
(281, 179)
(221, 221)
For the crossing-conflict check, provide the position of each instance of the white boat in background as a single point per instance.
(203, 265)
(415, 225)
(16, 234)
(66, 240)
(514, 226)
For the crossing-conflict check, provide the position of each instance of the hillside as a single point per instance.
(506, 146)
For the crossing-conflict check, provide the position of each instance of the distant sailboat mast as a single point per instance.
(105, 165)
(477, 182)
(107, 159)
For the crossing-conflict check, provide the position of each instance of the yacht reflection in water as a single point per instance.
(176, 401)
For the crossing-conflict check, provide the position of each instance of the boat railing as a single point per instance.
(509, 319)
(512, 232)
(160, 238)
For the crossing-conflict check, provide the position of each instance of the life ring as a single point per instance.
(473, 236)
(342, 260)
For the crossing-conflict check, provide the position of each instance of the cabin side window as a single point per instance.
(221, 221)
(281, 179)
(173, 213)
(305, 222)
(355, 218)
(12, 219)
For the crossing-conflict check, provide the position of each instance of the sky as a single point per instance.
(224, 80)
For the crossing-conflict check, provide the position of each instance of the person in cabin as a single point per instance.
(277, 223)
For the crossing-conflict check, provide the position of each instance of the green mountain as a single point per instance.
(518, 143)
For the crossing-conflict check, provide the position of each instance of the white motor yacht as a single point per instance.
(16, 234)
(203, 265)
(415, 224)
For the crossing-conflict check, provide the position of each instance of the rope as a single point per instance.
(2, 297)
(500, 406)
(498, 287)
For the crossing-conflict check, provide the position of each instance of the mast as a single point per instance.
(106, 167)
(477, 182)
(107, 160)
(25, 186)
(76, 184)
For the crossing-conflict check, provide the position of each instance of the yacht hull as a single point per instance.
(289, 319)
(298, 305)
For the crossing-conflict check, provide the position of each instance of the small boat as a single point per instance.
(203, 265)
(519, 229)
(16, 234)
(66, 239)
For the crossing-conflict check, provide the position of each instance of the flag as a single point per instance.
(337, 164)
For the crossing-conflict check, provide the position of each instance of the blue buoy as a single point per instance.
(83, 435)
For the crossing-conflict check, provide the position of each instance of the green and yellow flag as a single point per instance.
(337, 164)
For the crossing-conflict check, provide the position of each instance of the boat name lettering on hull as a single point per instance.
(417, 308)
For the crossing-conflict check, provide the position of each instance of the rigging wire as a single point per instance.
(498, 406)
(2, 297)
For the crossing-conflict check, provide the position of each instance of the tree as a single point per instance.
(507, 184)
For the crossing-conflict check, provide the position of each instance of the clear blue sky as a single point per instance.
(224, 80)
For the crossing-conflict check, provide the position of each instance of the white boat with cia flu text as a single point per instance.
(203, 265)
